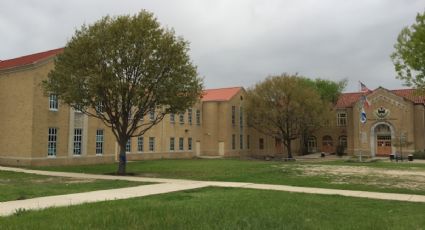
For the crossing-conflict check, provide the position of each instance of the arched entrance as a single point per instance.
(381, 136)
(327, 144)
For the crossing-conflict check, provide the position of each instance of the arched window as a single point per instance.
(327, 144)
(312, 144)
(327, 141)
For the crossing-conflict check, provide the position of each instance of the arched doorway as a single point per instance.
(381, 136)
(327, 144)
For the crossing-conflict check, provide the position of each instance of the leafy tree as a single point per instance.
(281, 107)
(409, 54)
(329, 92)
(121, 69)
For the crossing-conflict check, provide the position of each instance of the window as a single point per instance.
(181, 118)
(140, 144)
(78, 134)
(240, 117)
(241, 142)
(198, 117)
(261, 143)
(341, 119)
(189, 116)
(233, 115)
(343, 141)
(99, 141)
(99, 107)
(171, 143)
(181, 144)
(53, 102)
(151, 144)
(172, 118)
(233, 141)
(311, 144)
(189, 143)
(128, 146)
(51, 142)
(152, 115)
(248, 141)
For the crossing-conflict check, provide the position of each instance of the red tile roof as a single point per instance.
(28, 59)
(222, 94)
(349, 99)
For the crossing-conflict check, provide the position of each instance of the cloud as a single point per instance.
(239, 42)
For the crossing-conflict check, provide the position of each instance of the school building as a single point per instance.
(36, 129)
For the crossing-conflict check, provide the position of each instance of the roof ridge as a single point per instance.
(233, 87)
(37, 53)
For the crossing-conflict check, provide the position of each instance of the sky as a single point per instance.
(239, 42)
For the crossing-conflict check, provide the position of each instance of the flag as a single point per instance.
(363, 87)
(363, 118)
(365, 103)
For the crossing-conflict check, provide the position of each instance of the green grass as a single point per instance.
(266, 172)
(19, 186)
(227, 208)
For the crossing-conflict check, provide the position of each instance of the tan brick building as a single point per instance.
(393, 117)
(36, 129)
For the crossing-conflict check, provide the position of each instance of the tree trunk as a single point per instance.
(288, 147)
(122, 160)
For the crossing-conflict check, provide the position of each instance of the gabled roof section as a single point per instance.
(410, 94)
(28, 59)
(349, 99)
(222, 94)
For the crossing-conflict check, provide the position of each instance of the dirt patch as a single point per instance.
(408, 179)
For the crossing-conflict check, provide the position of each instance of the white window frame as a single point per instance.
(140, 144)
(172, 118)
(128, 146)
(189, 116)
(198, 117)
(233, 115)
(189, 144)
(78, 142)
(181, 144)
(152, 115)
(172, 143)
(341, 119)
(53, 102)
(152, 144)
(181, 118)
(99, 141)
(52, 142)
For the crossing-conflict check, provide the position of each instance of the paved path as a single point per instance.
(166, 186)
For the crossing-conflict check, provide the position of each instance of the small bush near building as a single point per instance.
(419, 155)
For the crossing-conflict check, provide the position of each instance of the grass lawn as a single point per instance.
(18, 186)
(271, 172)
(227, 208)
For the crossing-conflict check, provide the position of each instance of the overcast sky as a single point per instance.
(239, 42)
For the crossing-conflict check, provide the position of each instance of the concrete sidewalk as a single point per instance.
(166, 186)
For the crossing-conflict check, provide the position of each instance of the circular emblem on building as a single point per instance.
(381, 112)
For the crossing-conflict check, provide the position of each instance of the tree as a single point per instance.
(121, 69)
(409, 54)
(329, 92)
(281, 107)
